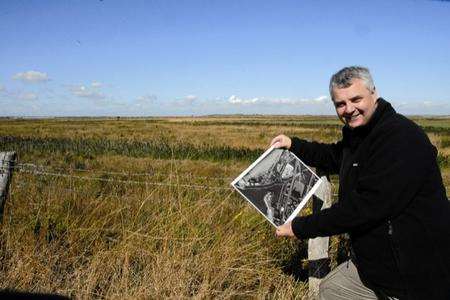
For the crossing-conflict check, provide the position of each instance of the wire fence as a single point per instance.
(193, 186)
(71, 173)
(40, 170)
(106, 172)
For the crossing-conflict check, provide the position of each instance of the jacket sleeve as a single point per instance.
(326, 157)
(397, 165)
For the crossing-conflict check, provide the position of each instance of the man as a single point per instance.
(392, 201)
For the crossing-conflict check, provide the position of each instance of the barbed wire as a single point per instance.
(123, 173)
(123, 181)
(35, 169)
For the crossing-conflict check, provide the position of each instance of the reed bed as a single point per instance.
(85, 218)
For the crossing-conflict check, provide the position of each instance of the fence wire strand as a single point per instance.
(89, 178)
(122, 173)
(35, 169)
(46, 171)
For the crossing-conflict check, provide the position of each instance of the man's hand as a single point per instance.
(281, 141)
(285, 230)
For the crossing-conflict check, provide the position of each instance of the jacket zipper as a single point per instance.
(393, 244)
(395, 252)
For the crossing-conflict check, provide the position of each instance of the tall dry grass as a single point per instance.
(92, 239)
(112, 236)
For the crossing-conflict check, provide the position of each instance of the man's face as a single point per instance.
(355, 104)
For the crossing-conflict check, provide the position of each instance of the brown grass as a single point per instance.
(90, 238)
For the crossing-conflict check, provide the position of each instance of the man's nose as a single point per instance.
(349, 108)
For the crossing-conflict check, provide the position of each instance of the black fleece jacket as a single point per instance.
(392, 202)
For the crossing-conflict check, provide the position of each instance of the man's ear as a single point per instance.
(375, 92)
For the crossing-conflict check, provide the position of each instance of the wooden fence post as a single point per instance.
(318, 260)
(7, 160)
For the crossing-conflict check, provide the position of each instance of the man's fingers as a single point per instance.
(281, 141)
(284, 230)
(276, 140)
(280, 231)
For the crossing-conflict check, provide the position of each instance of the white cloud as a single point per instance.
(277, 101)
(236, 100)
(96, 84)
(142, 104)
(436, 106)
(427, 107)
(86, 92)
(321, 99)
(31, 76)
(189, 99)
(20, 95)
(27, 96)
(146, 99)
(301, 101)
(284, 101)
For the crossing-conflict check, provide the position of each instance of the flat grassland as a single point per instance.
(142, 208)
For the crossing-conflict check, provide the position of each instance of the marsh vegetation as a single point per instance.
(141, 208)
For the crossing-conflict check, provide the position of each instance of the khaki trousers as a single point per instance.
(344, 283)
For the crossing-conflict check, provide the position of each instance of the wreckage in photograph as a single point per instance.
(278, 184)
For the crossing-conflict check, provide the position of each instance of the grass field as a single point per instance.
(141, 208)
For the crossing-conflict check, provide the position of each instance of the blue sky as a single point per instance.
(72, 58)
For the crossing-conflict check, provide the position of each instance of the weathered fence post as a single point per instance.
(318, 260)
(7, 160)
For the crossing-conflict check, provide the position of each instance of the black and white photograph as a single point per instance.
(278, 184)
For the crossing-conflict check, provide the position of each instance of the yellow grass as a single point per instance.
(108, 232)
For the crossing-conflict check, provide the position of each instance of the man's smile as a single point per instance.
(352, 117)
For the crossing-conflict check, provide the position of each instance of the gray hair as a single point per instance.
(343, 78)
